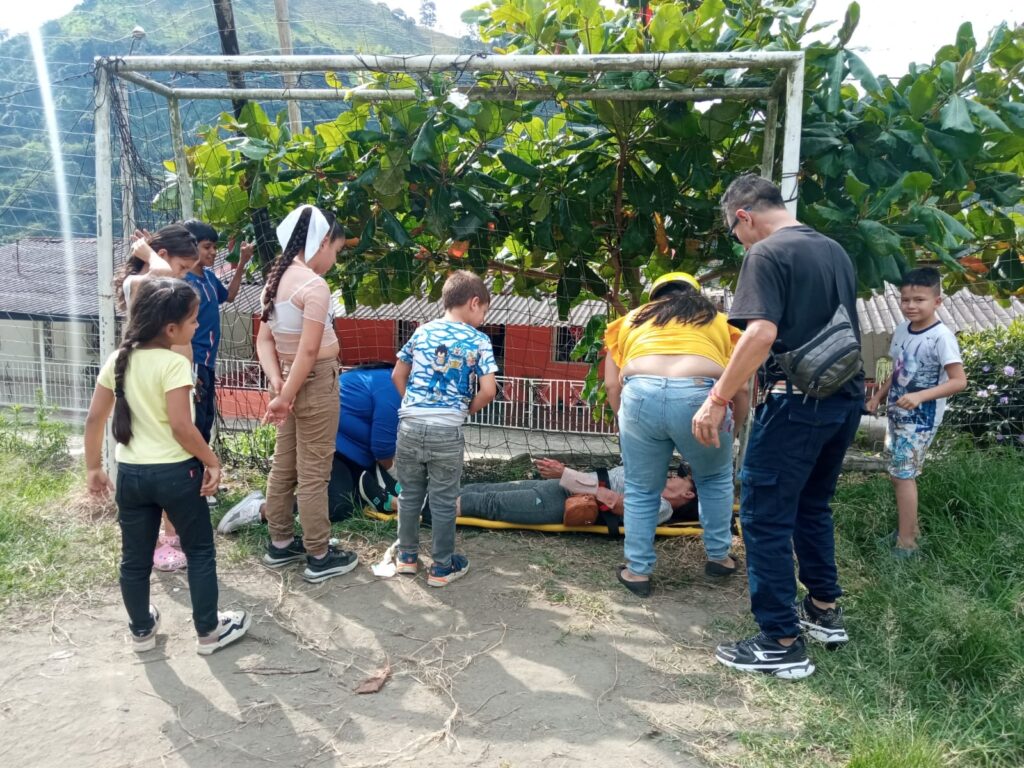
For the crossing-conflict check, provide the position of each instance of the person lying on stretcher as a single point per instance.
(567, 496)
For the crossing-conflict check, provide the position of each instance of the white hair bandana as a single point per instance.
(318, 229)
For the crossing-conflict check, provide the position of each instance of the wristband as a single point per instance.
(717, 399)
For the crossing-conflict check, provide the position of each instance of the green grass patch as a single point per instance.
(934, 675)
(46, 547)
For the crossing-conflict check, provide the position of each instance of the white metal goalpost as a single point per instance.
(788, 86)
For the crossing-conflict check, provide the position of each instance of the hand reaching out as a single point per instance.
(550, 469)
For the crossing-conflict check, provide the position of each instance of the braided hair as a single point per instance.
(174, 238)
(679, 302)
(160, 302)
(295, 246)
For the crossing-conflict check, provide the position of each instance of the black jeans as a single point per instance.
(206, 400)
(789, 474)
(343, 488)
(143, 491)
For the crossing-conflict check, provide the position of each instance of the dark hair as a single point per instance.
(296, 245)
(461, 287)
(160, 302)
(923, 277)
(174, 238)
(677, 301)
(750, 192)
(201, 231)
(683, 470)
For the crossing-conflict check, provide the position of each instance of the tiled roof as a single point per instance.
(38, 283)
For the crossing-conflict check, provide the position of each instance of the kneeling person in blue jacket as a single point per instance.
(364, 450)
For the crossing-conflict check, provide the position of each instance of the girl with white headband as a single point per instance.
(298, 350)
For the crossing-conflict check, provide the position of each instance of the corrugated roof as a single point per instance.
(962, 311)
(38, 284)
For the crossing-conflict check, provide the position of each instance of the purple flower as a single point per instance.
(1000, 438)
(992, 387)
(1020, 438)
(986, 368)
(1009, 370)
(1004, 400)
(983, 393)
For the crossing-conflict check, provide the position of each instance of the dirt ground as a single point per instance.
(536, 658)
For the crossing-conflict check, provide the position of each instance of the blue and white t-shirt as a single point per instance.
(919, 360)
(447, 358)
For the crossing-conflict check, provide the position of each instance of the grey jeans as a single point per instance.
(429, 462)
(527, 502)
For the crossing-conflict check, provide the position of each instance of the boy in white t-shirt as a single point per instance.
(926, 369)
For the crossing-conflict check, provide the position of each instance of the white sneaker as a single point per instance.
(246, 512)
(232, 626)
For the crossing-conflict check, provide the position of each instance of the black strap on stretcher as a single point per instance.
(605, 515)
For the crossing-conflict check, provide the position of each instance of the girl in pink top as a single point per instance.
(298, 350)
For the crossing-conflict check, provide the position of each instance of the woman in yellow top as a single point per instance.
(663, 359)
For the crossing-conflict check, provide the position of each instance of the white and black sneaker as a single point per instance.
(278, 557)
(231, 626)
(762, 654)
(335, 563)
(822, 624)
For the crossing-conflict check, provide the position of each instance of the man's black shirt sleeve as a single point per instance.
(760, 292)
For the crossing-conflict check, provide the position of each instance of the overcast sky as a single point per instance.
(892, 33)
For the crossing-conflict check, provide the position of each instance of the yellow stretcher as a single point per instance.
(691, 528)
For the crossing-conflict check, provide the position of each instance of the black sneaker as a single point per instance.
(277, 557)
(762, 654)
(822, 624)
(334, 563)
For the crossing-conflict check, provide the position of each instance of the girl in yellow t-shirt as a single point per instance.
(663, 359)
(163, 461)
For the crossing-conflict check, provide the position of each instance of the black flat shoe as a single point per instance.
(638, 588)
(719, 571)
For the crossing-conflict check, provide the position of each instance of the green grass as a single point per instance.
(934, 675)
(47, 547)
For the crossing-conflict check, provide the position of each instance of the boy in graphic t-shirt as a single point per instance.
(926, 369)
(444, 372)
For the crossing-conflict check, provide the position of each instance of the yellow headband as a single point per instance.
(675, 277)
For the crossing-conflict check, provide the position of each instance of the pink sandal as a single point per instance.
(167, 556)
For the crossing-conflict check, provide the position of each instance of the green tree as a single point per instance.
(585, 199)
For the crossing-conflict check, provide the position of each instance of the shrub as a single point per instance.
(36, 436)
(254, 448)
(991, 409)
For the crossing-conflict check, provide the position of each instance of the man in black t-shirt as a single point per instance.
(791, 283)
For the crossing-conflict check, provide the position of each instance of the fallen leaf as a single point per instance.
(374, 682)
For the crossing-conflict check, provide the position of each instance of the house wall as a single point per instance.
(366, 341)
(529, 353)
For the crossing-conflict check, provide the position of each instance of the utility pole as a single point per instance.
(266, 240)
(229, 46)
(290, 80)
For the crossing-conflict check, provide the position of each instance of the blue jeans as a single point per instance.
(429, 460)
(143, 490)
(655, 416)
(789, 475)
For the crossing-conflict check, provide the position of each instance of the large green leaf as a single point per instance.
(956, 116)
(518, 166)
(862, 72)
(986, 116)
(921, 96)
